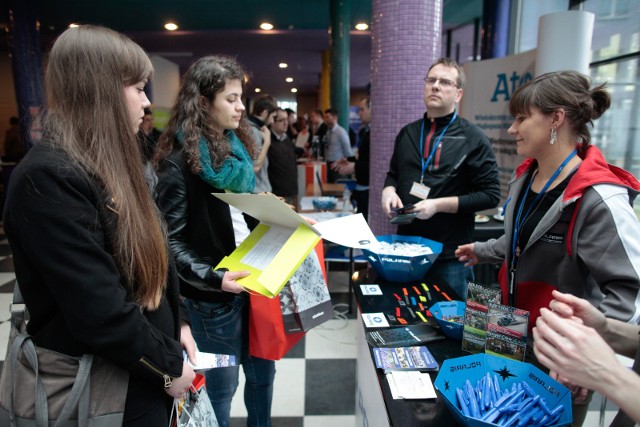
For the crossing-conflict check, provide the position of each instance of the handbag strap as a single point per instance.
(79, 394)
(18, 308)
(40, 396)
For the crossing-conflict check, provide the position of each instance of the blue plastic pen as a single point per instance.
(463, 404)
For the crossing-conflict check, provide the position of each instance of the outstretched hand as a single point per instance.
(572, 307)
(467, 254)
(577, 353)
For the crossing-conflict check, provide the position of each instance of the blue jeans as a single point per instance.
(455, 274)
(223, 328)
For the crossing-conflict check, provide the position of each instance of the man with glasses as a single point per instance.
(445, 167)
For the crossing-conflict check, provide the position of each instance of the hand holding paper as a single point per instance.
(283, 239)
(229, 281)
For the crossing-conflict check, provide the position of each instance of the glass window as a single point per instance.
(288, 104)
(616, 42)
(616, 30)
(612, 133)
(530, 14)
(461, 43)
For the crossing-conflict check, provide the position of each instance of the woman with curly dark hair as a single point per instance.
(207, 148)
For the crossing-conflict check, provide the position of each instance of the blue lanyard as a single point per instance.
(425, 165)
(520, 220)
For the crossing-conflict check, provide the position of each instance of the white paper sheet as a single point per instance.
(211, 360)
(351, 231)
(266, 208)
(261, 255)
(410, 385)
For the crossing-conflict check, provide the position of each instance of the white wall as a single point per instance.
(164, 89)
(166, 81)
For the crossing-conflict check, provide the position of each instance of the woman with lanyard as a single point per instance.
(206, 149)
(569, 220)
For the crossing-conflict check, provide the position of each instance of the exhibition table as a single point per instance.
(374, 404)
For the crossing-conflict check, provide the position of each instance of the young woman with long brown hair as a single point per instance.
(88, 245)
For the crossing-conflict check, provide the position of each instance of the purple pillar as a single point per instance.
(406, 40)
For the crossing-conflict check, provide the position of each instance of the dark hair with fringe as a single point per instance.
(566, 90)
(206, 77)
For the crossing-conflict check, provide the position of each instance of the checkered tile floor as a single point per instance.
(315, 383)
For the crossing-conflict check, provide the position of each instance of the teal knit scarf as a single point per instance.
(236, 171)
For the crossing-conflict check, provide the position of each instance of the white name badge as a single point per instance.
(420, 190)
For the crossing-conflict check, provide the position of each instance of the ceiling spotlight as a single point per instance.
(283, 65)
(74, 25)
(288, 79)
(361, 26)
(170, 26)
(258, 90)
(294, 90)
(266, 26)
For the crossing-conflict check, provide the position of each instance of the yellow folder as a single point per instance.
(275, 248)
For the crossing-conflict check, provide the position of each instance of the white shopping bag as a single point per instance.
(195, 409)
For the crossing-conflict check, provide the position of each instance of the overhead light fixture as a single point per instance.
(74, 25)
(288, 79)
(266, 26)
(258, 90)
(294, 90)
(170, 26)
(283, 65)
(362, 26)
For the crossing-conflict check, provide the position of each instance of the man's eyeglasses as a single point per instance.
(284, 119)
(430, 81)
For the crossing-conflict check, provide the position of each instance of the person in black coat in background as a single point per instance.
(90, 254)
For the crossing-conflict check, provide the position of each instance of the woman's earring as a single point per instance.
(554, 136)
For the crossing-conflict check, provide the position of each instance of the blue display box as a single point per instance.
(448, 309)
(455, 372)
(396, 268)
(325, 203)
